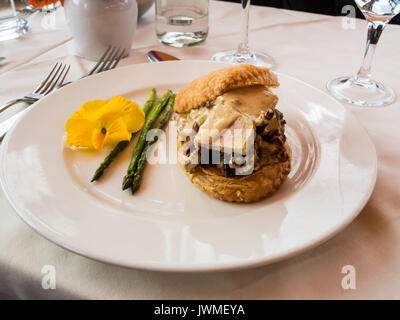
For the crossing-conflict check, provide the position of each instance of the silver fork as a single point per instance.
(109, 60)
(52, 81)
(55, 79)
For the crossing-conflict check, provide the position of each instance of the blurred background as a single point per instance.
(330, 7)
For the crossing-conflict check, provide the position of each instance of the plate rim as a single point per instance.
(198, 267)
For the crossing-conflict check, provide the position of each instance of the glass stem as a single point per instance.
(375, 29)
(243, 48)
(14, 11)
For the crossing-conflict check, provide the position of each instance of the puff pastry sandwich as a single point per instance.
(231, 138)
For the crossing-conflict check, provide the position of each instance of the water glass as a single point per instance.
(182, 23)
(11, 26)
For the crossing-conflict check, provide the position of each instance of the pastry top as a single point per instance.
(207, 88)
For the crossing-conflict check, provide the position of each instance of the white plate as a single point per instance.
(169, 224)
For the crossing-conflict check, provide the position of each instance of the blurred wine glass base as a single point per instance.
(12, 28)
(367, 93)
(255, 58)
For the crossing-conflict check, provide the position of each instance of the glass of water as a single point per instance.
(11, 26)
(182, 23)
(361, 89)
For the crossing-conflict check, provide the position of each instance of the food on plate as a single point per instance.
(123, 144)
(142, 142)
(98, 123)
(161, 122)
(231, 138)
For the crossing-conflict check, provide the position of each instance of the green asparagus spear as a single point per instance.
(159, 124)
(128, 179)
(150, 102)
(109, 159)
(122, 144)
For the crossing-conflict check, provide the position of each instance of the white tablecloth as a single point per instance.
(313, 48)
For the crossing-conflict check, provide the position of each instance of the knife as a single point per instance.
(158, 56)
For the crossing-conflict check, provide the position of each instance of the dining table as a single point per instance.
(310, 47)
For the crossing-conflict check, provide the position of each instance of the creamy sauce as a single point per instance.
(233, 111)
(221, 117)
(250, 100)
(225, 126)
(234, 138)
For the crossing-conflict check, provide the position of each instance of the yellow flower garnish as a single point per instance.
(98, 123)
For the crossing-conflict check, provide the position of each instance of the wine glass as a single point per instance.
(243, 54)
(361, 89)
(11, 26)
